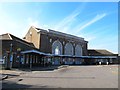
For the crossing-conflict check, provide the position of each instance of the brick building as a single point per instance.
(103, 56)
(11, 47)
(40, 47)
(57, 43)
(49, 40)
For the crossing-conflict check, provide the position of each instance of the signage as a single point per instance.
(11, 58)
(19, 49)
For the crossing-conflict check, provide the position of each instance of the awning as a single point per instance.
(32, 51)
(97, 57)
(67, 56)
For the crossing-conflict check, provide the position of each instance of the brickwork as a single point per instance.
(43, 40)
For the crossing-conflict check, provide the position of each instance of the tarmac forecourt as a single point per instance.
(99, 76)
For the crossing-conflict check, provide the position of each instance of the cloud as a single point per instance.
(66, 21)
(90, 38)
(95, 19)
(7, 24)
(105, 43)
(95, 33)
(36, 23)
(32, 22)
(87, 37)
(65, 24)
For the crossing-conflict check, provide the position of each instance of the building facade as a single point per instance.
(11, 49)
(48, 47)
(58, 43)
(102, 56)
(54, 42)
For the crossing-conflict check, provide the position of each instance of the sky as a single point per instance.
(96, 22)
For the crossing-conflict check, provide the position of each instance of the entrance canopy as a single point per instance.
(32, 51)
(66, 56)
(99, 57)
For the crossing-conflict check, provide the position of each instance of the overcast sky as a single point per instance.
(97, 22)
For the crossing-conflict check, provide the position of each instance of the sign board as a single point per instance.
(19, 49)
(11, 58)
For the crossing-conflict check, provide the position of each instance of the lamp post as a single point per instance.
(11, 57)
(19, 56)
(8, 61)
(30, 61)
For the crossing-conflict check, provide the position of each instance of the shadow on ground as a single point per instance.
(8, 85)
(47, 68)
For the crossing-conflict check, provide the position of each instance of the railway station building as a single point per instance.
(42, 47)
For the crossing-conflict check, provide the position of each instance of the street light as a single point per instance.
(19, 56)
(11, 57)
(11, 48)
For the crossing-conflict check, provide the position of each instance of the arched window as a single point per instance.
(57, 47)
(68, 49)
(57, 51)
(78, 50)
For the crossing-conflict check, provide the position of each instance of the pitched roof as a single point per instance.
(5, 37)
(9, 36)
(54, 32)
(33, 51)
(98, 52)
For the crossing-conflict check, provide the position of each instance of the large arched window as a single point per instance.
(78, 50)
(57, 47)
(68, 49)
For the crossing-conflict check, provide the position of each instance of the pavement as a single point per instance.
(4, 74)
(97, 76)
(2, 77)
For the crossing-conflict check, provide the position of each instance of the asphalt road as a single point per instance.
(67, 77)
